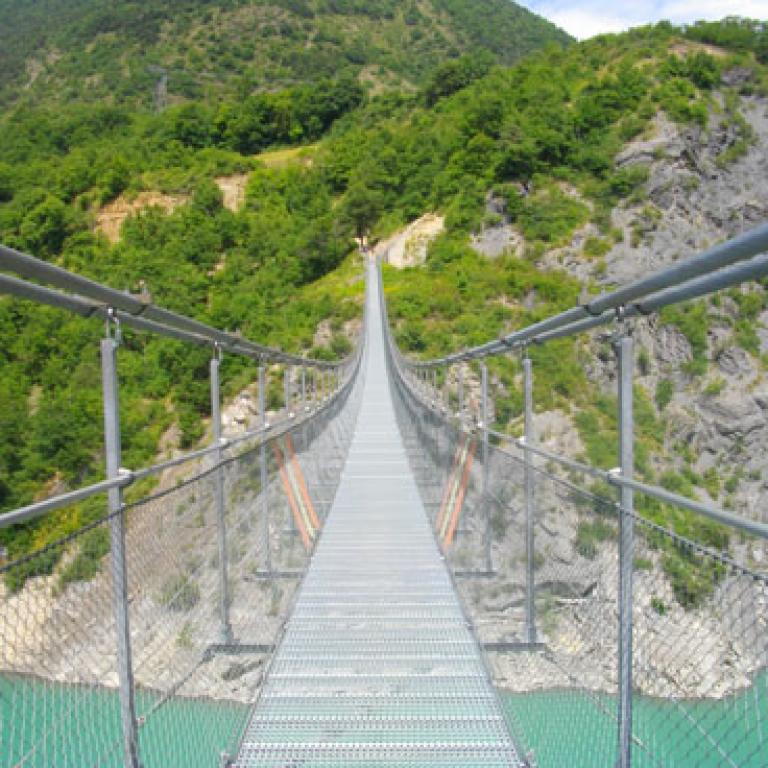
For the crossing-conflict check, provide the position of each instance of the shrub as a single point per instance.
(94, 544)
(711, 482)
(590, 534)
(692, 576)
(692, 321)
(551, 216)
(658, 605)
(340, 345)
(595, 247)
(746, 337)
(664, 392)
(715, 387)
(643, 362)
(179, 593)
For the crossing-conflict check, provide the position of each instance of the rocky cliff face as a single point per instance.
(705, 378)
(704, 185)
(696, 197)
(708, 379)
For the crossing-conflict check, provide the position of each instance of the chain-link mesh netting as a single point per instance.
(198, 660)
(700, 645)
(57, 658)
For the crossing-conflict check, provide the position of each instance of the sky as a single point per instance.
(585, 18)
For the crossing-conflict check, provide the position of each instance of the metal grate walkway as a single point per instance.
(377, 666)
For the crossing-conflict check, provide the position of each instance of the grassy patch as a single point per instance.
(692, 321)
(179, 593)
(550, 216)
(590, 534)
(665, 389)
(94, 544)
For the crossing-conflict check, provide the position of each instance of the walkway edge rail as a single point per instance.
(690, 278)
(128, 476)
(614, 478)
(89, 298)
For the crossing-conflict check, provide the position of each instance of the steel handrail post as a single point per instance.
(530, 505)
(263, 470)
(221, 522)
(624, 354)
(112, 448)
(486, 459)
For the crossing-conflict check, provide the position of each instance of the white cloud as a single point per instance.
(583, 23)
(585, 18)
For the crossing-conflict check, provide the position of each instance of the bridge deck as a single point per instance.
(377, 665)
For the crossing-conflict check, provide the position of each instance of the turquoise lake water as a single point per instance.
(59, 725)
(77, 726)
(569, 729)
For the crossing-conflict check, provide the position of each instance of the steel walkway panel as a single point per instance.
(378, 665)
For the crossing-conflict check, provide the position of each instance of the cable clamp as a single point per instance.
(113, 329)
(623, 325)
(127, 475)
(614, 475)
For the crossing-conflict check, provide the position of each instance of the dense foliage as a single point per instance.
(86, 49)
(541, 137)
(255, 270)
(735, 34)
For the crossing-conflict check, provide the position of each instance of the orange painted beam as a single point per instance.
(454, 488)
(460, 496)
(299, 476)
(449, 486)
(297, 516)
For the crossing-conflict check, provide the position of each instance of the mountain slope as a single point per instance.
(592, 166)
(86, 49)
(535, 150)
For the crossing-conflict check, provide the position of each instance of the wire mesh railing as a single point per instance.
(139, 636)
(699, 615)
(192, 687)
(628, 624)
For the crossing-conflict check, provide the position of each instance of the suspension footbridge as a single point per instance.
(294, 594)
(377, 651)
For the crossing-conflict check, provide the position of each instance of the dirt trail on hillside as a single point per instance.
(408, 247)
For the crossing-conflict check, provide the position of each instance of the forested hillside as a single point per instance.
(594, 165)
(83, 130)
(121, 52)
(253, 269)
(530, 149)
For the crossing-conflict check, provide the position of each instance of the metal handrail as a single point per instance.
(89, 298)
(89, 308)
(613, 477)
(40, 508)
(715, 269)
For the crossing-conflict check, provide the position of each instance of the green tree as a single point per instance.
(191, 124)
(452, 76)
(361, 208)
(44, 228)
(6, 183)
